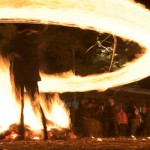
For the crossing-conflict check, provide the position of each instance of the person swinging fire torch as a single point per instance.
(24, 69)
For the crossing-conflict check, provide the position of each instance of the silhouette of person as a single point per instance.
(24, 69)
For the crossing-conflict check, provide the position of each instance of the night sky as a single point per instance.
(145, 2)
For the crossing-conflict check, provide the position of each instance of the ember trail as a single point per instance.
(98, 19)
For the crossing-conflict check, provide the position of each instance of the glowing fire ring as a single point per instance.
(122, 18)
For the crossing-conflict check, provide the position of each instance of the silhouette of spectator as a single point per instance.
(122, 122)
(80, 113)
(110, 119)
(135, 121)
(144, 124)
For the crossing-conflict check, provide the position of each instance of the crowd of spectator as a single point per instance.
(110, 120)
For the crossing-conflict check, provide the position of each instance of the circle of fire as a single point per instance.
(123, 18)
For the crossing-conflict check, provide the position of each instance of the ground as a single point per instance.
(79, 144)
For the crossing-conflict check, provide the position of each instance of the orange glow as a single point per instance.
(12, 136)
(123, 18)
(57, 112)
(10, 109)
(36, 138)
(99, 139)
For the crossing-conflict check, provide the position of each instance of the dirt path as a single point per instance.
(79, 144)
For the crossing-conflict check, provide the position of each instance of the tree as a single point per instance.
(103, 53)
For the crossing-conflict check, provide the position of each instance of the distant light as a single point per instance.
(143, 139)
(133, 137)
(99, 139)
(36, 138)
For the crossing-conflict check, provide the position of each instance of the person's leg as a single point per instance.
(145, 132)
(19, 95)
(106, 128)
(123, 129)
(33, 92)
(22, 114)
(120, 130)
(43, 118)
(114, 128)
(133, 127)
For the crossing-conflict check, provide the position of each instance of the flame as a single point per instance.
(123, 18)
(58, 113)
(10, 109)
(12, 136)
